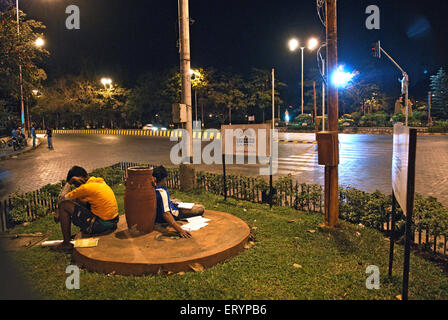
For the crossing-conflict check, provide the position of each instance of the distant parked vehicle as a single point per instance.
(148, 126)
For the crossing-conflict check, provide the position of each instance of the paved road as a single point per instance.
(365, 160)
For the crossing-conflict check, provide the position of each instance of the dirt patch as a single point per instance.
(19, 242)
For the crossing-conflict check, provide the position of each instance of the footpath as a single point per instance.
(7, 154)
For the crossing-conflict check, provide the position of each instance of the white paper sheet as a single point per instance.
(196, 223)
(185, 205)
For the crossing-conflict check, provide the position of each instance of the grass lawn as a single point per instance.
(290, 260)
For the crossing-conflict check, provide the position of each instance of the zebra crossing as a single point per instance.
(308, 161)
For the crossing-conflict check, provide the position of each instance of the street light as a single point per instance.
(313, 43)
(106, 82)
(341, 78)
(294, 44)
(39, 42)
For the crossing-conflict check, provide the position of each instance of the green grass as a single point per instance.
(333, 263)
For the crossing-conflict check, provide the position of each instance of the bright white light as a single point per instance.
(39, 42)
(194, 73)
(341, 78)
(313, 43)
(106, 81)
(293, 44)
(154, 129)
(164, 129)
(287, 118)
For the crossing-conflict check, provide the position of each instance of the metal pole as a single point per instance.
(392, 234)
(323, 96)
(406, 79)
(224, 175)
(185, 65)
(202, 115)
(272, 142)
(429, 108)
(302, 48)
(409, 211)
(273, 99)
(316, 128)
(196, 103)
(20, 72)
(332, 199)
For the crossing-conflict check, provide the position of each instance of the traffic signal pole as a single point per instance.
(405, 80)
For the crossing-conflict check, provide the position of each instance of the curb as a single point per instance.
(297, 141)
(9, 156)
(138, 133)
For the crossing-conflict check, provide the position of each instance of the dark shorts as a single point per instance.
(89, 223)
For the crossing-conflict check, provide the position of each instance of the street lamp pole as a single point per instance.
(323, 95)
(20, 72)
(302, 48)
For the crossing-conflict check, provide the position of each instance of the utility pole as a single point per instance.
(273, 99)
(323, 96)
(331, 171)
(185, 65)
(316, 128)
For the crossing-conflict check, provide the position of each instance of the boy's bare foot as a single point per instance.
(64, 247)
(56, 216)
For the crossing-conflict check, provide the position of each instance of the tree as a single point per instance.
(259, 90)
(74, 101)
(439, 89)
(15, 51)
(228, 92)
(362, 96)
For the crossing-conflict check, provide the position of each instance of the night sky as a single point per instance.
(123, 39)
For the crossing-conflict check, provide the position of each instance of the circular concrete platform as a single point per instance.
(162, 250)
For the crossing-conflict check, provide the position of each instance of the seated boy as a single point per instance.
(92, 206)
(167, 210)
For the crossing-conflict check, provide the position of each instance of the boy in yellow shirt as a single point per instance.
(92, 206)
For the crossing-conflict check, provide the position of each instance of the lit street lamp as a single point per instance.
(39, 42)
(106, 82)
(341, 78)
(294, 44)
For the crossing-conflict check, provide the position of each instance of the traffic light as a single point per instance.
(376, 49)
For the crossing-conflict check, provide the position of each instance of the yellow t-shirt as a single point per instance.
(99, 195)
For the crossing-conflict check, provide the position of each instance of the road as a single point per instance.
(365, 160)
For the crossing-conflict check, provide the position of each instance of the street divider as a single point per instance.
(298, 141)
(204, 135)
(135, 132)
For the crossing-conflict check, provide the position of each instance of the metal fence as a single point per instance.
(291, 194)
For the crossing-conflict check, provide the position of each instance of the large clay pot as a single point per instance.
(140, 201)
